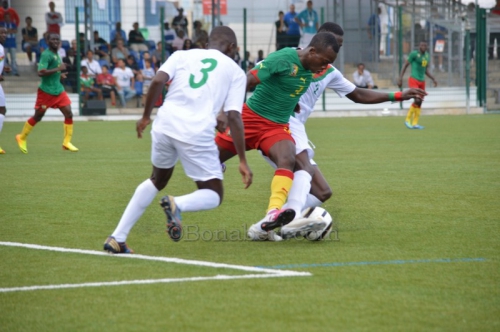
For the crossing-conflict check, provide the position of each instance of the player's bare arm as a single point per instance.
(366, 96)
(434, 82)
(236, 126)
(155, 89)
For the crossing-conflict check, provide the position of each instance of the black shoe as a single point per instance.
(279, 218)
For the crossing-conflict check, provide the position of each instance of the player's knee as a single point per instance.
(325, 195)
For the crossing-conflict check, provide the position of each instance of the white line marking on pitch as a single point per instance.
(267, 273)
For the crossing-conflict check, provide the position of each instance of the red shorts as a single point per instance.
(260, 133)
(45, 101)
(413, 83)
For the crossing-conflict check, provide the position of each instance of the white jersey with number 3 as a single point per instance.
(203, 83)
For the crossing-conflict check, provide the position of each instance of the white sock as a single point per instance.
(143, 196)
(202, 199)
(1, 121)
(298, 193)
(312, 201)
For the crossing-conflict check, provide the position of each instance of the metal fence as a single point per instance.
(402, 27)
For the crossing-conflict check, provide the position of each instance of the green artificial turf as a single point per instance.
(403, 201)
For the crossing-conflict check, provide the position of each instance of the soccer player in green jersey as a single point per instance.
(280, 80)
(50, 94)
(419, 61)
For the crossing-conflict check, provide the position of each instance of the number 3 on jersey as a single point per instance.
(212, 64)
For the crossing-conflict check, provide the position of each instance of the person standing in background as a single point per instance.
(309, 22)
(494, 13)
(10, 42)
(53, 19)
(281, 29)
(374, 31)
(14, 16)
(293, 32)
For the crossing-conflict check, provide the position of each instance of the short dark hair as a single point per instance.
(361, 64)
(28, 17)
(331, 27)
(281, 12)
(324, 40)
(105, 66)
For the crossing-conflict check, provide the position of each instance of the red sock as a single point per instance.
(68, 121)
(31, 121)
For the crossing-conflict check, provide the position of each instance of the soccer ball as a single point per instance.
(321, 216)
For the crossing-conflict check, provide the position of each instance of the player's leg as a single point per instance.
(201, 163)
(27, 128)
(301, 183)
(163, 158)
(280, 148)
(3, 111)
(418, 106)
(68, 128)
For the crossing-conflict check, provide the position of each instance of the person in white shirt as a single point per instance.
(362, 78)
(178, 41)
(93, 66)
(125, 82)
(3, 110)
(203, 81)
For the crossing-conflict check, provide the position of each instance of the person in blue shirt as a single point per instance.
(118, 31)
(309, 22)
(293, 32)
(10, 42)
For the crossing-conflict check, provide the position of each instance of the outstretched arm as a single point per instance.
(366, 96)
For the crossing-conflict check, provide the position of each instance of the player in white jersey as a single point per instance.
(3, 110)
(203, 82)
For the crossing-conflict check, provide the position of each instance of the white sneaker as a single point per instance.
(255, 233)
(301, 227)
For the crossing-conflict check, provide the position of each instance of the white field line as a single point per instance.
(266, 273)
(146, 282)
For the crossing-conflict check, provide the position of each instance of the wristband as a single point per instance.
(398, 96)
(391, 96)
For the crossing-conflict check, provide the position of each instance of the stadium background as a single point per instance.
(398, 37)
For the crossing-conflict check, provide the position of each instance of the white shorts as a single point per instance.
(200, 163)
(300, 136)
(2, 97)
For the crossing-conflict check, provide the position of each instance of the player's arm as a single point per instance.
(43, 71)
(400, 80)
(155, 89)
(430, 76)
(252, 80)
(366, 96)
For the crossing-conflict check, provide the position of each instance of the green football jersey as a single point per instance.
(283, 80)
(50, 84)
(419, 63)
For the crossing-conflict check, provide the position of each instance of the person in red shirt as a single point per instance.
(107, 83)
(14, 16)
(53, 19)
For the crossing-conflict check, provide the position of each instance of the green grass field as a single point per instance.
(404, 201)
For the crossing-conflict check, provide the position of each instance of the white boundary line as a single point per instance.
(266, 273)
